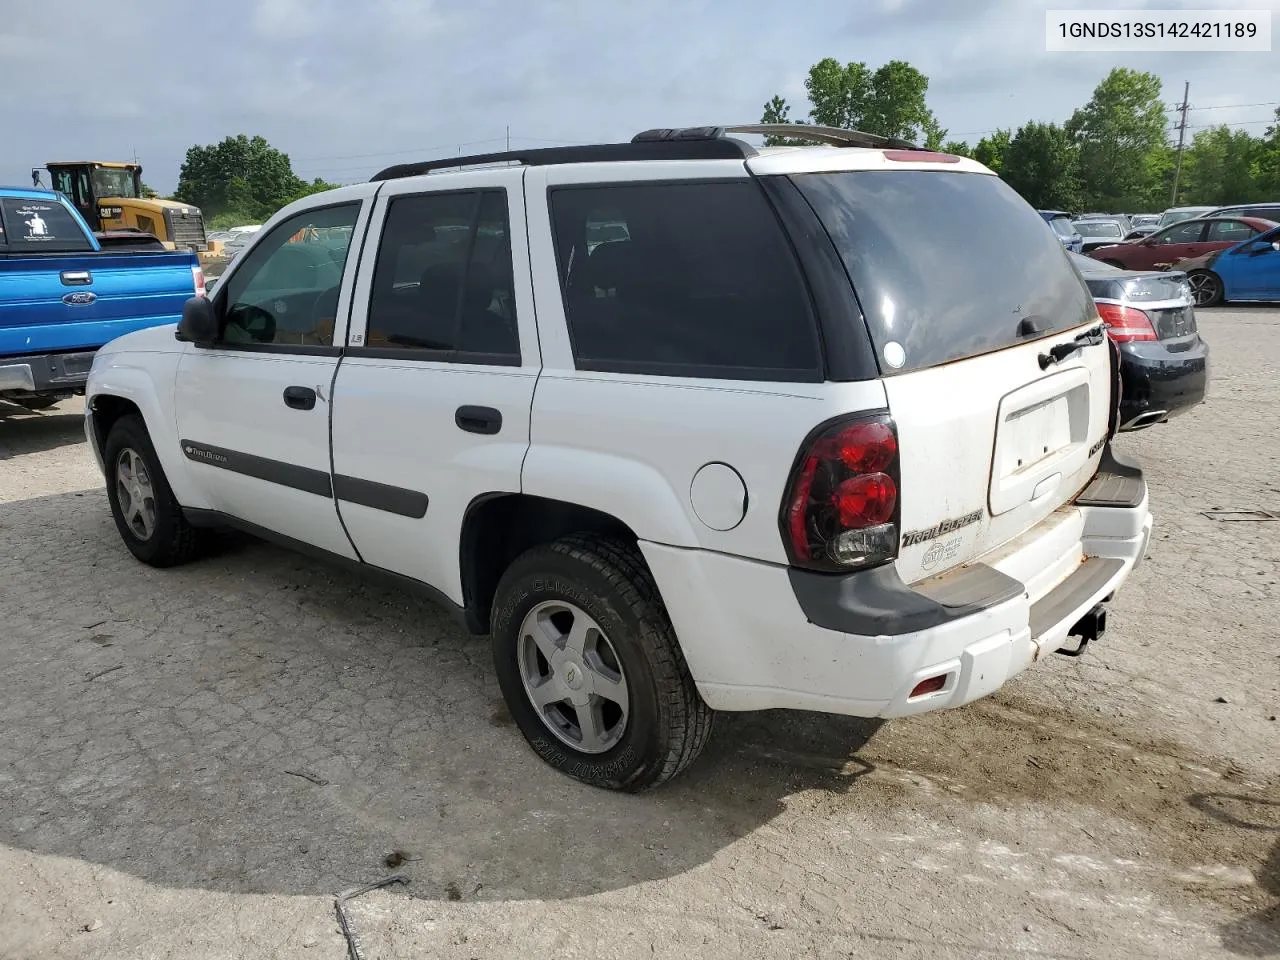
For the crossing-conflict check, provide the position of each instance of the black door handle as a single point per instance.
(484, 420)
(299, 398)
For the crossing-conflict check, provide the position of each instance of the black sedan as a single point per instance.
(1151, 317)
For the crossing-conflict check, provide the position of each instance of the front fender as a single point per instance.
(147, 381)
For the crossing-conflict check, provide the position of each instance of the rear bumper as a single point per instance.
(759, 636)
(1161, 380)
(46, 373)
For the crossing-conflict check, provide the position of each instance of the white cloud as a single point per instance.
(346, 88)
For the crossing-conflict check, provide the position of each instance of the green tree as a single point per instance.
(1117, 131)
(1218, 169)
(1042, 163)
(242, 174)
(777, 111)
(1265, 169)
(889, 101)
(991, 150)
(957, 148)
(147, 192)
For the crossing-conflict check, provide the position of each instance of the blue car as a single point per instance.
(1061, 223)
(1248, 271)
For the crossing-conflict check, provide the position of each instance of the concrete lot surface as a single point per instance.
(192, 761)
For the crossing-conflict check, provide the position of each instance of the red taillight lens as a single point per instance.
(1126, 324)
(197, 277)
(842, 502)
(867, 500)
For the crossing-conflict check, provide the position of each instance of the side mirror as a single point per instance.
(199, 323)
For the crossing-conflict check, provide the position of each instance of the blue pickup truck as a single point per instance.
(62, 296)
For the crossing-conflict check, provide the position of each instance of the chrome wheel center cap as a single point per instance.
(573, 676)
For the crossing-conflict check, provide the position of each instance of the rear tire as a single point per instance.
(149, 519)
(638, 719)
(1206, 287)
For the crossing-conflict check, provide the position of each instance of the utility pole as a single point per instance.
(1182, 138)
(508, 138)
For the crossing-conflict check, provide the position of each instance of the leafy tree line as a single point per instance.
(241, 180)
(1111, 154)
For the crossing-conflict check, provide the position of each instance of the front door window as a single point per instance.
(286, 289)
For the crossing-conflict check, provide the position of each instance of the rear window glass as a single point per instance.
(689, 279)
(41, 226)
(946, 265)
(1099, 228)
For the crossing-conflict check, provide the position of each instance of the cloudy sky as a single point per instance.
(348, 86)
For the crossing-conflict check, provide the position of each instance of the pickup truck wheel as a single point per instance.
(590, 666)
(149, 519)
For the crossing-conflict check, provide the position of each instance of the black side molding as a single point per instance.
(876, 602)
(367, 493)
(305, 479)
(380, 496)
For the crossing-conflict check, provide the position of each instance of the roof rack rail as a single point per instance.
(833, 136)
(667, 148)
(660, 143)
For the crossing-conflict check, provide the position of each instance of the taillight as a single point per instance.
(1126, 324)
(841, 506)
(197, 277)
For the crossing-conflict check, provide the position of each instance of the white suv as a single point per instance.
(684, 425)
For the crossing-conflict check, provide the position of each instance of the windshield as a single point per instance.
(1099, 228)
(111, 182)
(1062, 227)
(1177, 216)
(946, 265)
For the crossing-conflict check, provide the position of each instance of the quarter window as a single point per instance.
(682, 279)
(443, 283)
(285, 291)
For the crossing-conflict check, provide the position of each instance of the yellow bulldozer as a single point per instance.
(109, 196)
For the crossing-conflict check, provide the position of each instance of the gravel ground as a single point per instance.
(194, 760)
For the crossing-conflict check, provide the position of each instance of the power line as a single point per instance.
(1228, 106)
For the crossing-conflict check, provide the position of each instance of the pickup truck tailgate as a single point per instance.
(54, 303)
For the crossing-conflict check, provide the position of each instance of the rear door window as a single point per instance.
(692, 279)
(1229, 231)
(41, 226)
(443, 284)
(946, 265)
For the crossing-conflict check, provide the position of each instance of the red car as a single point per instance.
(1189, 238)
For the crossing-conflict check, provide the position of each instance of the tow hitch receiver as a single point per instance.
(1087, 629)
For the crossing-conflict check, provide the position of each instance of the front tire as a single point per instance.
(149, 519)
(590, 666)
(1206, 288)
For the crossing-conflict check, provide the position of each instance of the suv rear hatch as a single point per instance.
(989, 346)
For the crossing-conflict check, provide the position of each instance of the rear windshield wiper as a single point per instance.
(1061, 351)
